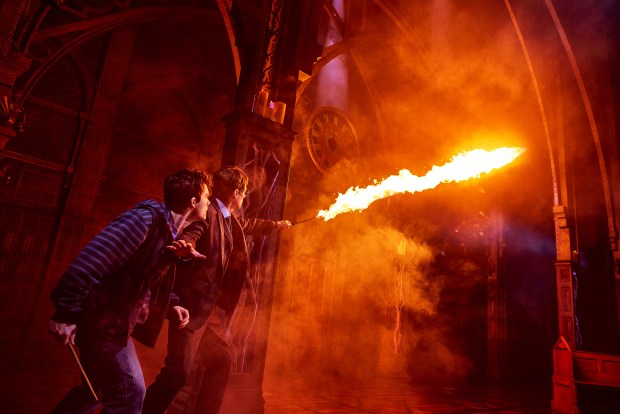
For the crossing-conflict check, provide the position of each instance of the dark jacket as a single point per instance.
(218, 279)
(103, 303)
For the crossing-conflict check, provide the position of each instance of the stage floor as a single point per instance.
(403, 398)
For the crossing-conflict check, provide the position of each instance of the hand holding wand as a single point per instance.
(79, 364)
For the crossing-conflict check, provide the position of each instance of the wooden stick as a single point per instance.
(304, 220)
(79, 364)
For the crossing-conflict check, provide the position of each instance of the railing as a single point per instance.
(571, 368)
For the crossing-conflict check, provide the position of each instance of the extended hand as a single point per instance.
(283, 224)
(183, 249)
(182, 316)
(63, 332)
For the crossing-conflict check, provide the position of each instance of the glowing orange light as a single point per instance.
(462, 167)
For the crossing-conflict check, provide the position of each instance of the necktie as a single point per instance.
(228, 223)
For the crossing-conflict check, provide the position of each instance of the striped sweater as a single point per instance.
(103, 256)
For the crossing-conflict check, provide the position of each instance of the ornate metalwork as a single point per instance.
(18, 12)
(274, 33)
(263, 168)
(12, 114)
(89, 8)
(330, 138)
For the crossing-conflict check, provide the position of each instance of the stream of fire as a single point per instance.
(462, 167)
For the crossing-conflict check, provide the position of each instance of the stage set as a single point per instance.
(451, 170)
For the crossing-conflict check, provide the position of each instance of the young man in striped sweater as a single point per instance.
(119, 284)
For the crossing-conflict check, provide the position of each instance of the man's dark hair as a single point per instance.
(179, 188)
(227, 180)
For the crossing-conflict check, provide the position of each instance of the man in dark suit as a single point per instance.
(209, 287)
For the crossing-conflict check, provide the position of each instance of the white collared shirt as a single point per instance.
(223, 208)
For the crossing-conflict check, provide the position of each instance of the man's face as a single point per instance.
(239, 197)
(200, 209)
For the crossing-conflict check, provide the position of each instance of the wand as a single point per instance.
(79, 364)
(302, 221)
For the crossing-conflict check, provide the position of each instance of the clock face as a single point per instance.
(330, 138)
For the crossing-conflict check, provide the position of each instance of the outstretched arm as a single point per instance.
(185, 250)
(259, 227)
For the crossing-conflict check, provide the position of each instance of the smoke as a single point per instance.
(360, 297)
(428, 93)
(338, 308)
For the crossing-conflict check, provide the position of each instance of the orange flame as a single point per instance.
(462, 167)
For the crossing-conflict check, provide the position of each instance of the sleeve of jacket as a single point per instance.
(194, 232)
(101, 256)
(174, 300)
(257, 227)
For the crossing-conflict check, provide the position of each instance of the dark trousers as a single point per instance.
(215, 364)
(115, 376)
(182, 347)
